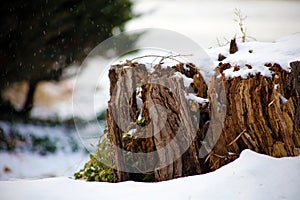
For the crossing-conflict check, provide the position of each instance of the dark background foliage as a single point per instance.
(40, 38)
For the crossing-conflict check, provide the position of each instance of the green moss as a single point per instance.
(99, 168)
(94, 170)
(141, 121)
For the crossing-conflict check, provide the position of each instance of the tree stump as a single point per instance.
(165, 123)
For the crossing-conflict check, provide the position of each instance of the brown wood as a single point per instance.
(233, 46)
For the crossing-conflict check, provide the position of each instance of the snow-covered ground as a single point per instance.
(24, 165)
(39, 151)
(252, 176)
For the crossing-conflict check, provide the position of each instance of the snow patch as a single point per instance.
(185, 67)
(34, 166)
(282, 52)
(186, 81)
(200, 100)
(282, 98)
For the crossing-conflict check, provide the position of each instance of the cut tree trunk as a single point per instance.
(162, 127)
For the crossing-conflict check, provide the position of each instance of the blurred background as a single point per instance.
(43, 50)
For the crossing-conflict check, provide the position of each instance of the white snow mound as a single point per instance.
(252, 176)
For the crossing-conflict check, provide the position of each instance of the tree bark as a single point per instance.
(295, 66)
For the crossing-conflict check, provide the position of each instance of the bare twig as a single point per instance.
(171, 57)
(219, 156)
(233, 141)
(223, 43)
(240, 19)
